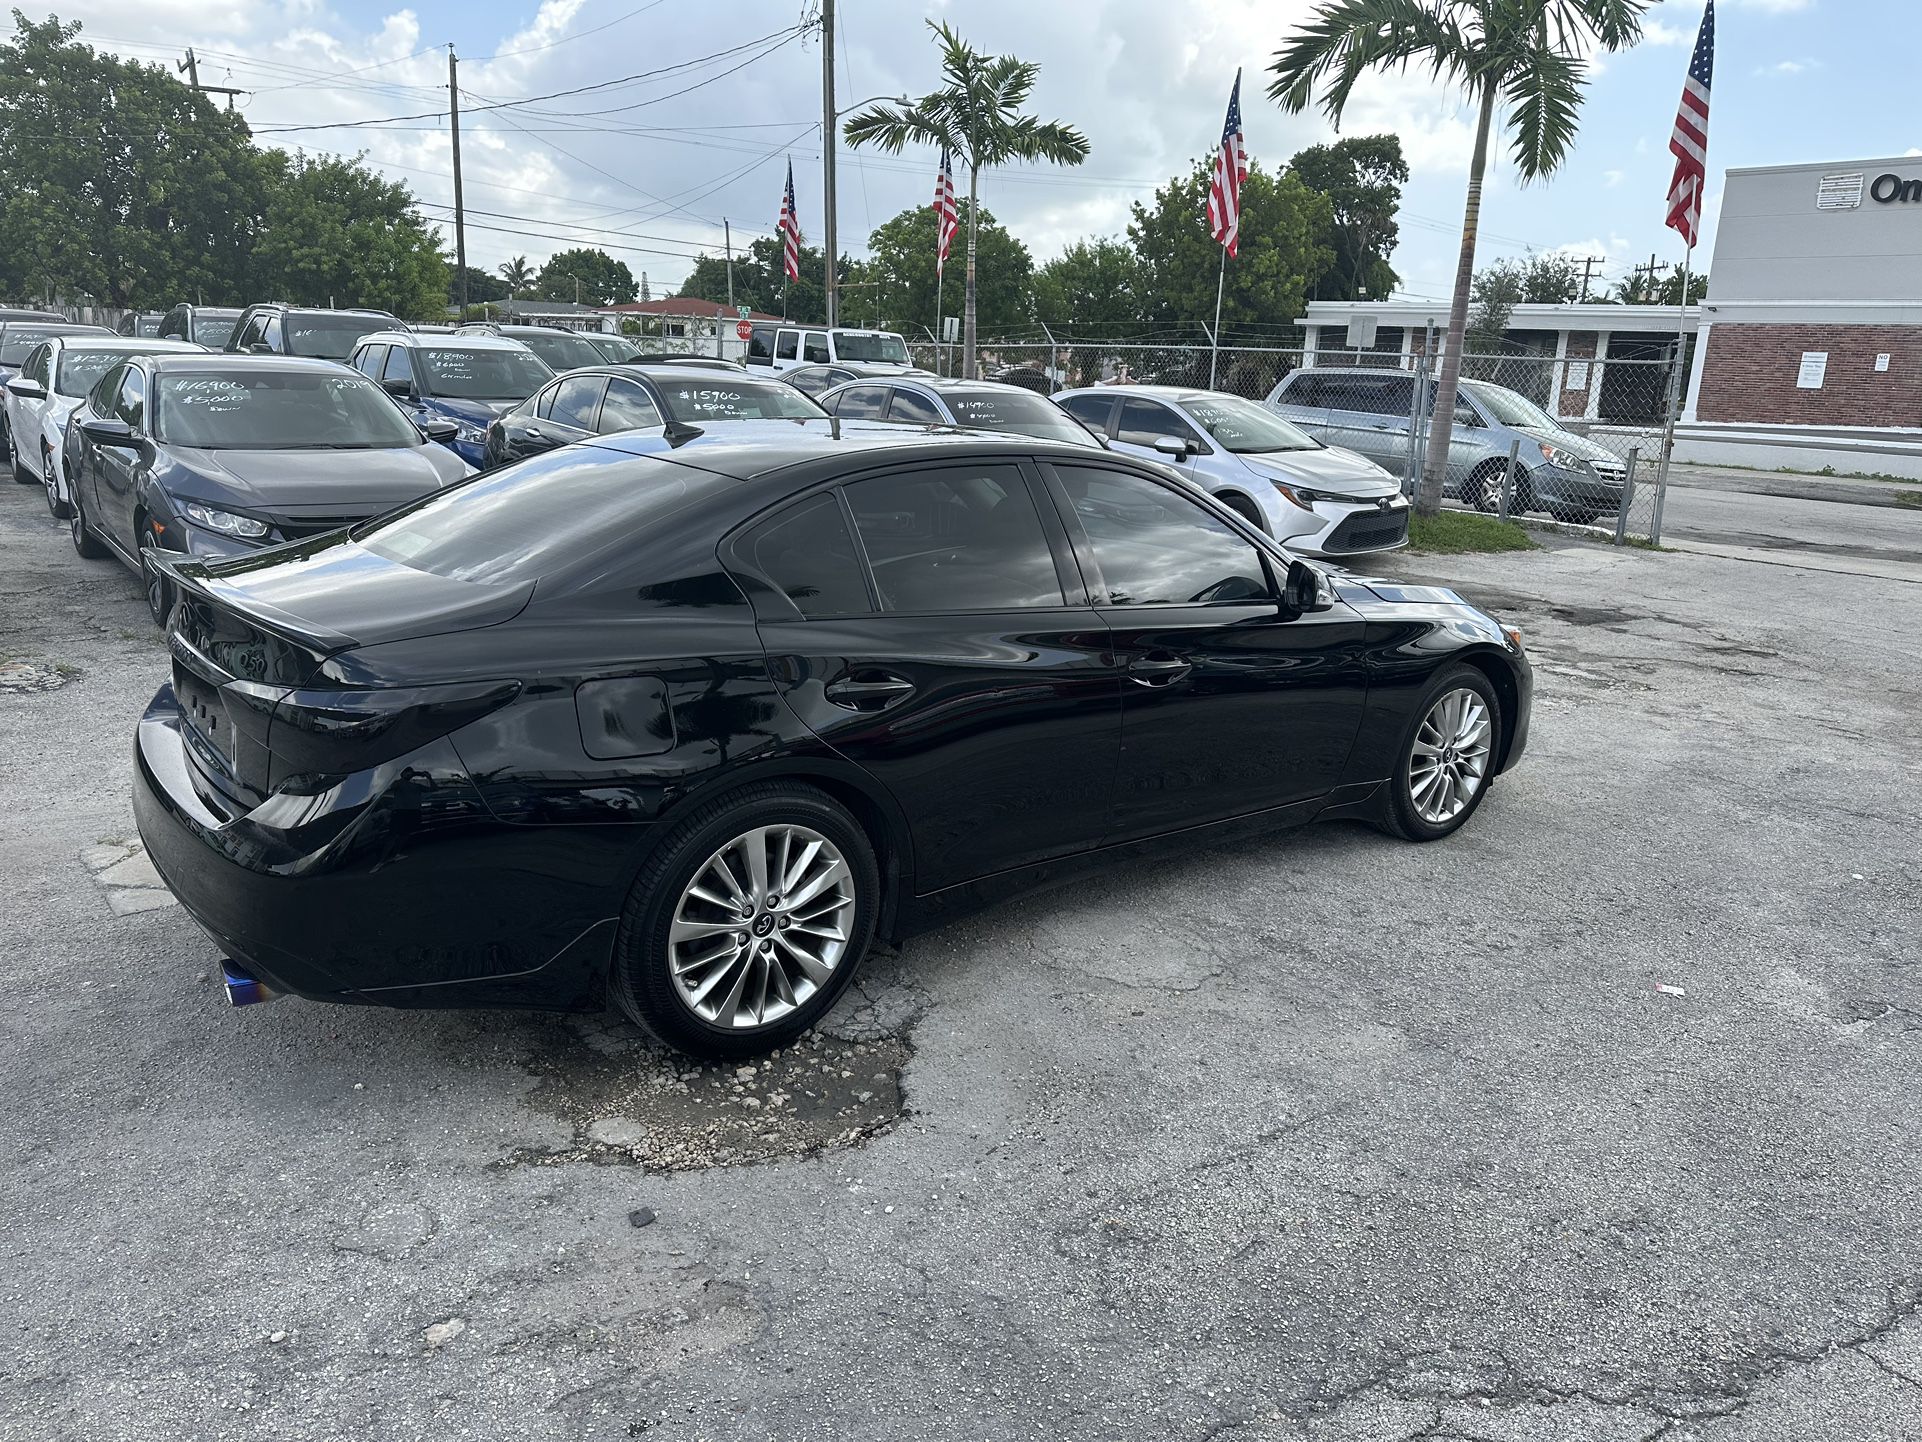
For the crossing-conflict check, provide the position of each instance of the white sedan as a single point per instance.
(53, 380)
(1315, 499)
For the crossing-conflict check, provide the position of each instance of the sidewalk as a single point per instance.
(1802, 560)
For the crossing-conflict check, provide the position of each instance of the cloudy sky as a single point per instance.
(651, 153)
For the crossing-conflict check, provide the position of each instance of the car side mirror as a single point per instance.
(1301, 590)
(1172, 446)
(260, 347)
(27, 390)
(398, 387)
(104, 431)
(442, 431)
(1466, 417)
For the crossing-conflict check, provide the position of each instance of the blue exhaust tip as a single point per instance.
(242, 989)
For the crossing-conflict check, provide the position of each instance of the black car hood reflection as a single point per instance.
(339, 482)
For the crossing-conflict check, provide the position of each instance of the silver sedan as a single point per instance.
(1317, 500)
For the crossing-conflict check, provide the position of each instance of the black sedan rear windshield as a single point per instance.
(522, 522)
(256, 409)
(698, 398)
(1020, 412)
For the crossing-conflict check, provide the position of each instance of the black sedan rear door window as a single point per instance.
(576, 399)
(960, 538)
(807, 552)
(1156, 548)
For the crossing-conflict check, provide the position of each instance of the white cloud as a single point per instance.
(1613, 178)
(1788, 67)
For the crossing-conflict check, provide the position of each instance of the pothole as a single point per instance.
(642, 1105)
(30, 676)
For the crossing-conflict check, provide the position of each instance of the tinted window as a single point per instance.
(249, 334)
(1371, 395)
(470, 373)
(176, 325)
(957, 539)
(1093, 411)
(1156, 548)
(39, 364)
(889, 348)
(561, 350)
(575, 400)
(100, 399)
(212, 331)
(367, 360)
(544, 405)
(760, 345)
(270, 337)
(815, 349)
(787, 345)
(332, 337)
(810, 380)
(627, 408)
(913, 406)
(1019, 412)
(694, 397)
(131, 404)
(1143, 422)
(861, 402)
(400, 365)
(1303, 390)
(258, 408)
(807, 553)
(525, 520)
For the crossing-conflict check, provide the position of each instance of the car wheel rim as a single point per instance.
(762, 926)
(1449, 762)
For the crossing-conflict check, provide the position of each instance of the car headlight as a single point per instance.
(1300, 495)
(1513, 633)
(1564, 459)
(473, 435)
(225, 522)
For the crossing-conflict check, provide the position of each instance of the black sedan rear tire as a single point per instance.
(1448, 756)
(85, 543)
(711, 957)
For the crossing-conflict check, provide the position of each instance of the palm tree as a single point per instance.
(518, 274)
(1527, 58)
(977, 116)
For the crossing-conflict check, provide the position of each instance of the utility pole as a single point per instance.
(727, 240)
(827, 159)
(1654, 274)
(191, 68)
(460, 209)
(1589, 262)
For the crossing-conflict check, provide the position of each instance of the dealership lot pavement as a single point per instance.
(1320, 1137)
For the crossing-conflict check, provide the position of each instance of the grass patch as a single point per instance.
(1455, 533)
(1909, 498)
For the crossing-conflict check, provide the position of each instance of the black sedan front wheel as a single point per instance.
(747, 924)
(160, 591)
(1448, 757)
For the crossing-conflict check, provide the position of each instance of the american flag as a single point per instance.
(790, 229)
(1689, 143)
(944, 208)
(1231, 168)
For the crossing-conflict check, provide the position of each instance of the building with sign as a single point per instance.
(1810, 341)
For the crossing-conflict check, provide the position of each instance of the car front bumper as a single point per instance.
(1350, 529)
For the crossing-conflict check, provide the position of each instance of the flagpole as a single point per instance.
(940, 275)
(1214, 339)
(1675, 392)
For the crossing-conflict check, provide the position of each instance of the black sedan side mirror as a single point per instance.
(1301, 590)
(104, 431)
(27, 390)
(398, 387)
(1172, 446)
(442, 431)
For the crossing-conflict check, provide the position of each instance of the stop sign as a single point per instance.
(743, 329)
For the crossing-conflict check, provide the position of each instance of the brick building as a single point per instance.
(1810, 342)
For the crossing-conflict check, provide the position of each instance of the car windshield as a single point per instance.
(697, 398)
(519, 522)
(471, 373)
(1246, 429)
(1510, 409)
(81, 369)
(329, 337)
(19, 340)
(613, 348)
(888, 348)
(561, 349)
(214, 331)
(252, 408)
(1022, 413)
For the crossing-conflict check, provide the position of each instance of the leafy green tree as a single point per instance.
(900, 269)
(1096, 286)
(1634, 289)
(977, 117)
(1362, 177)
(117, 182)
(590, 276)
(760, 282)
(338, 234)
(1281, 254)
(1551, 279)
(518, 276)
(1527, 59)
(482, 286)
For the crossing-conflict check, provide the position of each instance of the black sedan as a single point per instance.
(217, 456)
(928, 400)
(817, 380)
(688, 728)
(605, 400)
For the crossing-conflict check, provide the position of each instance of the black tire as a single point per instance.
(21, 475)
(85, 543)
(1401, 817)
(59, 509)
(640, 981)
(1244, 508)
(160, 591)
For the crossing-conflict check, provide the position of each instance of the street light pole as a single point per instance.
(827, 160)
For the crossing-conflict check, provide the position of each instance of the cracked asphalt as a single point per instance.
(1317, 1137)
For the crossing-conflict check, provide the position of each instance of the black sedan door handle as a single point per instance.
(1158, 668)
(534, 433)
(868, 690)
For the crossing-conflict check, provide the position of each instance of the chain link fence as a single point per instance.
(1576, 438)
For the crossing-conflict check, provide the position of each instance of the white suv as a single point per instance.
(786, 347)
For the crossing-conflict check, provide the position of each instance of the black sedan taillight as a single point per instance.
(326, 733)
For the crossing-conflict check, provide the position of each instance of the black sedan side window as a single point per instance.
(913, 406)
(101, 398)
(1155, 548)
(627, 408)
(861, 402)
(806, 551)
(131, 404)
(961, 538)
(576, 399)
